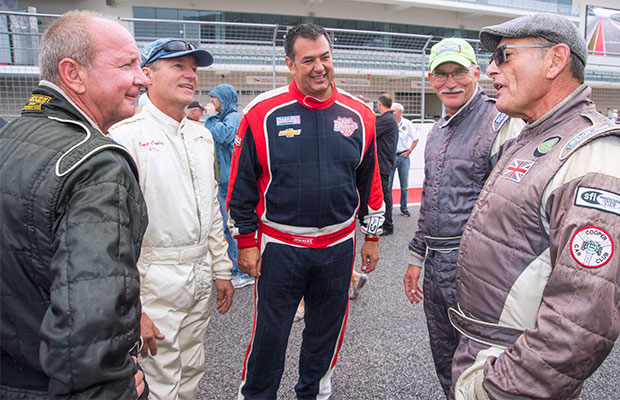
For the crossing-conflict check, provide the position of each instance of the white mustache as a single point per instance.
(452, 91)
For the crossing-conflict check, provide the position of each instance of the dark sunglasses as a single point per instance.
(499, 55)
(172, 46)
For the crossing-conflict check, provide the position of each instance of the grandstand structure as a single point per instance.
(379, 45)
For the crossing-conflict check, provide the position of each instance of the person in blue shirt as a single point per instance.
(223, 121)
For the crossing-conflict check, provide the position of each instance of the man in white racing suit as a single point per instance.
(184, 245)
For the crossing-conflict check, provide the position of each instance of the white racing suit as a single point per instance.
(184, 245)
(538, 277)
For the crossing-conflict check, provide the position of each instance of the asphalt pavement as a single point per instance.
(385, 354)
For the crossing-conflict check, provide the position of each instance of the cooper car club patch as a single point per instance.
(345, 125)
(591, 247)
(517, 170)
(599, 199)
(238, 140)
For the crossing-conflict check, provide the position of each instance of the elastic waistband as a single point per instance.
(315, 242)
(483, 332)
(175, 255)
(442, 244)
(17, 375)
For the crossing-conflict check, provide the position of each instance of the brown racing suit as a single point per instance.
(537, 274)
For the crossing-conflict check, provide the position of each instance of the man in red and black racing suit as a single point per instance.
(304, 166)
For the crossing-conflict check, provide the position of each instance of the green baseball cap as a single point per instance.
(452, 50)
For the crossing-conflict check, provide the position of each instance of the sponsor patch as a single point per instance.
(546, 146)
(288, 120)
(517, 170)
(289, 132)
(449, 47)
(345, 125)
(591, 247)
(36, 101)
(499, 121)
(585, 134)
(238, 140)
(599, 199)
(373, 225)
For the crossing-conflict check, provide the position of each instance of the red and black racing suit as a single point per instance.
(302, 171)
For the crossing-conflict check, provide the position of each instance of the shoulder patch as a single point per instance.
(591, 247)
(597, 198)
(583, 137)
(35, 102)
(499, 121)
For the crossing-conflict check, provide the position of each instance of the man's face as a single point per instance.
(520, 81)
(194, 113)
(114, 81)
(312, 67)
(397, 114)
(217, 104)
(172, 84)
(452, 92)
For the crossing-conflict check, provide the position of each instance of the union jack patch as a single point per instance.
(517, 169)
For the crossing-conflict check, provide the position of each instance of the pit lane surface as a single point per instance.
(385, 354)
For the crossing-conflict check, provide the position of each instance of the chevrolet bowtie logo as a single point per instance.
(290, 132)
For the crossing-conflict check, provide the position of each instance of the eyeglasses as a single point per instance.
(499, 55)
(458, 74)
(172, 46)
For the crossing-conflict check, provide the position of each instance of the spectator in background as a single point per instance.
(184, 247)
(407, 141)
(387, 139)
(72, 219)
(223, 122)
(460, 152)
(194, 111)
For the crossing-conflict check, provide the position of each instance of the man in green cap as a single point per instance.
(461, 150)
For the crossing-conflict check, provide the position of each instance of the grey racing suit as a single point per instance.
(460, 152)
(537, 274)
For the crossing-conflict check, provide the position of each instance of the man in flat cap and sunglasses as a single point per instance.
(537, 274)
(184, 245)
(461, 150)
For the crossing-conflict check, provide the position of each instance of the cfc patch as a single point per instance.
(35, 102)
(546, 146)
(288, 120)
(345, 125)
(517, 170)
(591, 247)
(599, 199)
(238, 140)
(289, 132)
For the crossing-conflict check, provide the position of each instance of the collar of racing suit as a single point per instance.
(312, 102)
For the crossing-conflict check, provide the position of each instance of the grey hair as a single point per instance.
(577, 69)
(399, 107)
(69, 36)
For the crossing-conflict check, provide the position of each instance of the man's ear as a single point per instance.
(558, 61)
(72, 75)
(291, 65)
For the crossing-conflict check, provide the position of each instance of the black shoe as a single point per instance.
(406, 213)
(386, 233)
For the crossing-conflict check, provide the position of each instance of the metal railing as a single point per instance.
(251, 57)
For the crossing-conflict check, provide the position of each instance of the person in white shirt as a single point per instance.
(184, 246)
(407, 141)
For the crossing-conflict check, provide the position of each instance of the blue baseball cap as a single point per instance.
(171, 48)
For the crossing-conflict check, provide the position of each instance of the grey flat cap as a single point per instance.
(554, 28)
